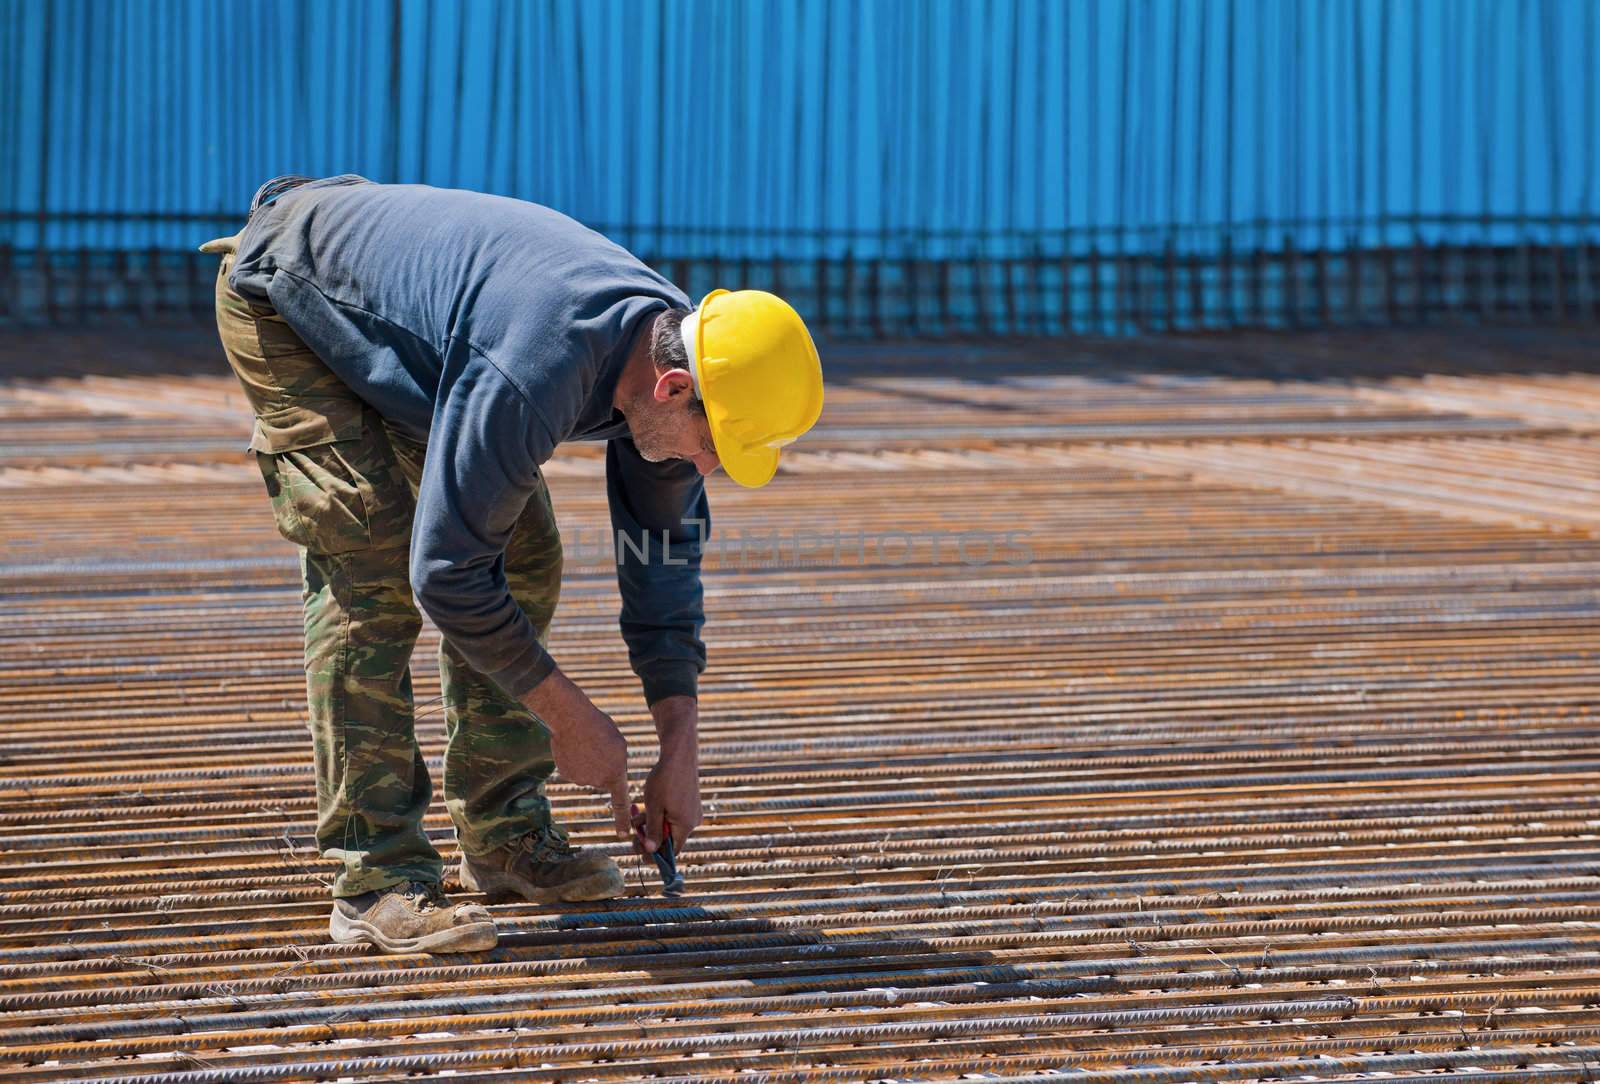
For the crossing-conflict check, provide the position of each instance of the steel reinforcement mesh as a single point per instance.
(1259, 744)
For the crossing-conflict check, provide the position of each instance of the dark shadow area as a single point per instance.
(1325, 355)
(187, 348)
(1328, 356)
(690, 943)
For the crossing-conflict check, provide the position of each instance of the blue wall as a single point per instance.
(813, 127)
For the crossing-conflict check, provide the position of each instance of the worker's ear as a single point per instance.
(674, 383)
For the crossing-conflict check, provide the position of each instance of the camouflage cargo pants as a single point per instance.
(343, 488)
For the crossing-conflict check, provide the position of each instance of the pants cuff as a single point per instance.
(374, 879)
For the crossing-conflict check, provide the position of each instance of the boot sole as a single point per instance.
(501, 887)
(473, 937)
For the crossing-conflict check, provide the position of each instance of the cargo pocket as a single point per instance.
(307, 453)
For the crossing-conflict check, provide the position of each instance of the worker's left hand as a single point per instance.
(672, 789)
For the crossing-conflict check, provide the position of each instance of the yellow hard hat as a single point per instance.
(756, 370)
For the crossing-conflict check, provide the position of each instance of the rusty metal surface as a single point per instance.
(1251, 770)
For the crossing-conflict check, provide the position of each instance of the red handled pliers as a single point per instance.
(667, 863)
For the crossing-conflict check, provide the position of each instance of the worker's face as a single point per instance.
(669, 423)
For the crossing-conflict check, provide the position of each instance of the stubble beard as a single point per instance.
(651, 429)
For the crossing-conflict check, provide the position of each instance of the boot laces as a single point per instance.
(545, 846)
(423, 896)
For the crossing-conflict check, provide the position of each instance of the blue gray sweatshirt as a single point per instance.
(492, 329)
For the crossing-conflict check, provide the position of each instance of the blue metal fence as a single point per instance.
(897, 166)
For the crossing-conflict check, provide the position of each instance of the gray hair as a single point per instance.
(666, 341)
(667, 350)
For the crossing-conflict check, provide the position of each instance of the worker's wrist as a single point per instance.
(555, 700)
(677, 720)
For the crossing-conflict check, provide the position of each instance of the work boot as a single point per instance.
(541, 867)
(412, 917)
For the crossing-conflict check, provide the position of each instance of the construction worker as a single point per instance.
(413, 355)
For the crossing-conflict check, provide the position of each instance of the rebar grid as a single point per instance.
(1247, 774)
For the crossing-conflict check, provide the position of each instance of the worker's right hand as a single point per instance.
(589, 749)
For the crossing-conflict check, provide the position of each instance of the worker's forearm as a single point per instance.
(677, 720)
(672, 789)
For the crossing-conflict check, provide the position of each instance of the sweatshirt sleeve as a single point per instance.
(661, 519)
(482, 467)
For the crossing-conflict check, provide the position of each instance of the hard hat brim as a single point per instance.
(750, 467)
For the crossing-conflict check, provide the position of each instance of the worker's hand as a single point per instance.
(589, 749)
(672, 789)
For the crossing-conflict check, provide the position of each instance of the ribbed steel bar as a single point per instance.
(1274, 757)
